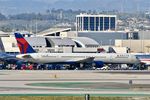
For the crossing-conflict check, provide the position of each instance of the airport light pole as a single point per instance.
(87, 97)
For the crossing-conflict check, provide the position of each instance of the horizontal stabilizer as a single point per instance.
(22, 56)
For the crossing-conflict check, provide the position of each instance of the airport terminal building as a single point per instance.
(101, 28)
(86, 22)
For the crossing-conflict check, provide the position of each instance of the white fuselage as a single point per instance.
(74, 57)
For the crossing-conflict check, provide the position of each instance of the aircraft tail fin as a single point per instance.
(23, 45)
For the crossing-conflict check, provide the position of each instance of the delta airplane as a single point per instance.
(29, 54)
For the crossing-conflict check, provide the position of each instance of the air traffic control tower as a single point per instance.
(86, 22)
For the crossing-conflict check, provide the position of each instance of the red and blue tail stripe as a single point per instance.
(23, 45)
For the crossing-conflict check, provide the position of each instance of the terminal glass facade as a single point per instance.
(96, 22)
(92, 24)
(101, 24)
(106, 23)
(85, 23)
(112, 23)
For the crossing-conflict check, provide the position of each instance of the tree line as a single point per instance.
(53, 14)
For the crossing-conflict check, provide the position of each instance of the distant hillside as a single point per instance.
(124, 5)
(22, 6)
(19, 6)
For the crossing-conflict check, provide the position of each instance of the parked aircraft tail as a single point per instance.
(23, 45)
(111, 50)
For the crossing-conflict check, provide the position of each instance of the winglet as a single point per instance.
(23, 45)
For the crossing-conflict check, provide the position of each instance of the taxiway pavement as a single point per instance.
(16, 82)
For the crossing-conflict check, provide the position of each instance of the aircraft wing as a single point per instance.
(87, 60)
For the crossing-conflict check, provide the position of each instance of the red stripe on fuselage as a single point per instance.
(145, 59)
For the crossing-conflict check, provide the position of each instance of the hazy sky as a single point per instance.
(19, 6)
(51, 1)
(48, 1)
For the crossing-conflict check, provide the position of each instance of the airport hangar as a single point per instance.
(52, 44)
(105, 39)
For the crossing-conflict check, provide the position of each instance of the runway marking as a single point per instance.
(74, 80)
(92, 95)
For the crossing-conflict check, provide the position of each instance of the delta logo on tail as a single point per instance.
(23, 44)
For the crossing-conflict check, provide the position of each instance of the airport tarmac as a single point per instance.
(75, 82)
